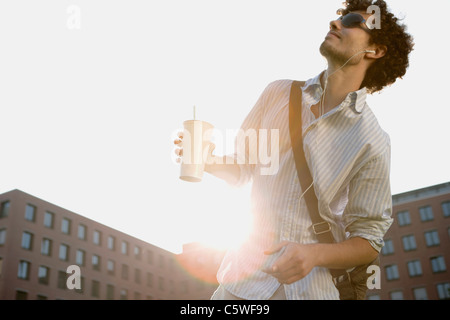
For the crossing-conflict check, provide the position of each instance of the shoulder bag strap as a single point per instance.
(321, 228)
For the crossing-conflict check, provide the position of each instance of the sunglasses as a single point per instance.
(354, 20)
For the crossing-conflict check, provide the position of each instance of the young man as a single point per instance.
(348, 155)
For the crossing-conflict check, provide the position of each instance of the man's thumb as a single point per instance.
(275, 248)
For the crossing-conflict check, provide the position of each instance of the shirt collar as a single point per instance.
(356, 99)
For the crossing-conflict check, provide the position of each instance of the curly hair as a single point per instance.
(399, 43)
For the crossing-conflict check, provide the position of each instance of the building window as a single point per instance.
(27, 240)
(161, 283)
(171, 287)
(446, 208)
(185, 286)
(46, 247)
(43, 275)
(111, 243)
(200, 285)
(409, 243)
(2, 236)
(392, 272)
(41, 297)
(48, 219)
(150, 257)
(96, 262)
(388, 247)
(149, 279)
(161, 261)
(97, 237)
(124, 271)
(82, 231)
(4, 209)
(414, 268)
(438, 264)
(403, 218)
(137, 252)
(65, 226)
(81, 290)
(63, 252)
(420, 294)
(62, 280)
(426, 213)
(111, 267)
(137, 275)
(21, 295)
(123, 294)
(80, 257)
(30, 213)
(432, 238)
(24, 270)
(95, 289)
(443, 290)
(109, 292)
(124, 248)
(396, 295)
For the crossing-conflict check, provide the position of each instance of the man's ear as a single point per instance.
(380, 51)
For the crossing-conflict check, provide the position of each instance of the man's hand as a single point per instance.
(295, 262)
(178, 142)
(223, 169)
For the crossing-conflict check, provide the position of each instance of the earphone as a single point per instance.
(322, 99)
(326, 80)
(363, 51)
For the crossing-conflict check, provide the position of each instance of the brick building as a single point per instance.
(415, 260)
(39, 241)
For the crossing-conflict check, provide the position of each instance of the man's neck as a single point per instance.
(340, 84)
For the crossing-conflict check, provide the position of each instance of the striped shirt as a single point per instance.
(349, 158)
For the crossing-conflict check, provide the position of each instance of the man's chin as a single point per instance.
(326, 51)
(330, 54)
(323, 50)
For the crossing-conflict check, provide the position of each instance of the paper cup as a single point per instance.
(196, 140)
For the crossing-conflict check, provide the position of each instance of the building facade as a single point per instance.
(415, 260)
(41, 242)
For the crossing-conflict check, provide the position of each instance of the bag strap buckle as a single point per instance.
(321, 227)
(342, 278)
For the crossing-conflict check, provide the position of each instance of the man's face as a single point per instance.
(341, 43)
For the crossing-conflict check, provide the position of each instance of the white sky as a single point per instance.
(87, 116)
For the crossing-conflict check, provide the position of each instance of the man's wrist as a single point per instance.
(223, 169)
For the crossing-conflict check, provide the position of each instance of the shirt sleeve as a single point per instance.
(246, 142)
(369, 208)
